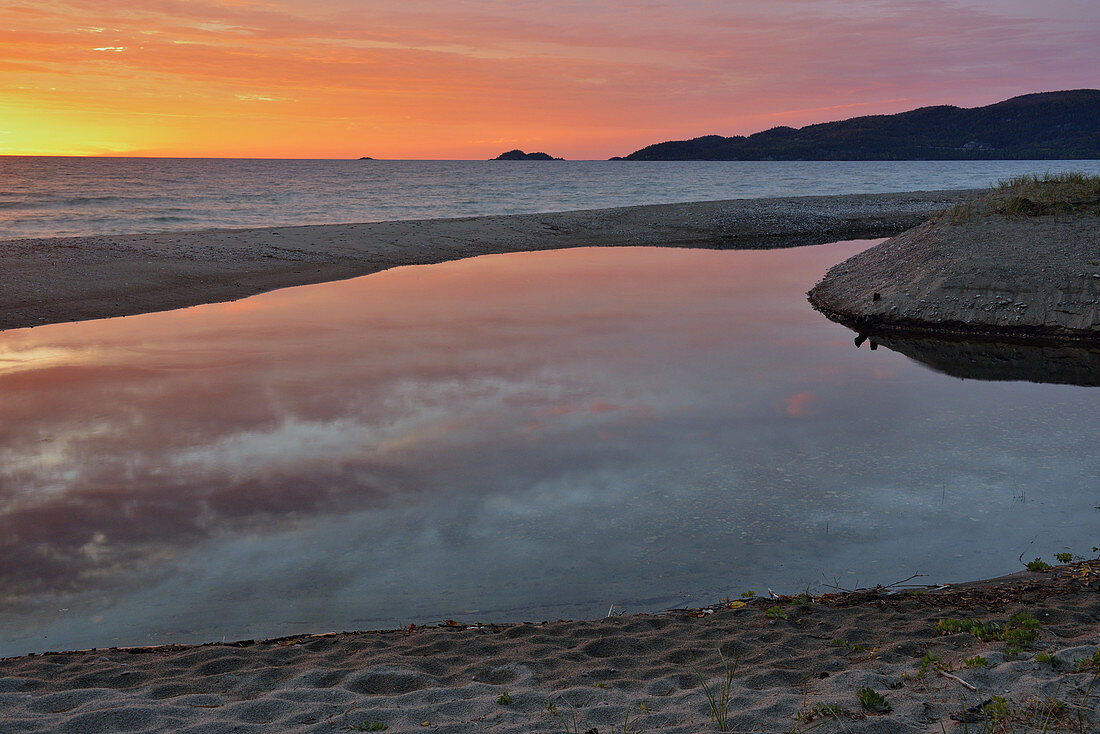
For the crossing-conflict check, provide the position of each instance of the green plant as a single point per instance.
(873, 702)
(820, 712)
(775, 612)
(1087, 665)
(928, 661)
(1020, 630)
(750, 593)
(572, 724)
(719, 696)
(1038, 565)
(370, 726)
(551, 707)
(976, 662)
(601, 684)
(996, 710)
(1063, 557)
(505, 699)
(851, 646)
(1048, 659)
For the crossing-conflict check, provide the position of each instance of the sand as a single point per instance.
(1034, 278)
(561, 676)
(69, 279)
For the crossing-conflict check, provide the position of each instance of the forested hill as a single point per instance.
(1048, 125)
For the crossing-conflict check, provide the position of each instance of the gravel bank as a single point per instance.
(70, 279)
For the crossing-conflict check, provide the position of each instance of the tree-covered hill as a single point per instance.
(1048, 125)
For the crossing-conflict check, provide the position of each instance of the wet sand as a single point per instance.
(71, 279)
(800, 664)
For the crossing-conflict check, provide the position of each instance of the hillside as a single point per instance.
(1049, 125)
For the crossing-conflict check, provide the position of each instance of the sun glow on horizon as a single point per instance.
(431, 79)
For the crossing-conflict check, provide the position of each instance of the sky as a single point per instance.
(468, 79)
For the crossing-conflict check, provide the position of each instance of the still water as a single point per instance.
(526, 436)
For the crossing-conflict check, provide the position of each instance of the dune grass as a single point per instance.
(1034, 195)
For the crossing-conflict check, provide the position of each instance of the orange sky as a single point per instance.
(472, 78)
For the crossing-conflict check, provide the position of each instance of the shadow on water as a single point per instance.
(979, 359)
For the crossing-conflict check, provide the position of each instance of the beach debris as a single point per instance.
(956, 678)
(972, 715)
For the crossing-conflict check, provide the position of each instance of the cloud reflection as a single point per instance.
(512, 435)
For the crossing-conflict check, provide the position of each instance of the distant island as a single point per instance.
(366, 158)
(1044, 126)
(519, 155)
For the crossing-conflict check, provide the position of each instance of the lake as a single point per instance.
(513, 437)
(45, 197)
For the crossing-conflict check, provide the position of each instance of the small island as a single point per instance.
(519, 155)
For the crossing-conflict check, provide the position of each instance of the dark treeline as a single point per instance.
(1049, 125)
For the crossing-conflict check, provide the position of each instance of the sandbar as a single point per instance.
(76, 278)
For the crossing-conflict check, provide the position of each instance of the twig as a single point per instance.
(956, 678)
(898, 583)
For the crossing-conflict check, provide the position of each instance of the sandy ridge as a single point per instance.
(1035, 278)
(68, 279)
(502, 678)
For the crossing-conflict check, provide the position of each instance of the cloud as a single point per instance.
(799, 404)
(589, 78)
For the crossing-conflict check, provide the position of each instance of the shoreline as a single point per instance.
(63, 279)
(800, 661)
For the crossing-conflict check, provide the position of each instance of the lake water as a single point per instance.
(514, 437)
(42, 197)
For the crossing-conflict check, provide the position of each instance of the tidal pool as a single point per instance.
(512, 437)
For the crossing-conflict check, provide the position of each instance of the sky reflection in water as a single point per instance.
(511, 437)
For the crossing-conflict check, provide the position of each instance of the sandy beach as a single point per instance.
(71, 279)
(800, 665)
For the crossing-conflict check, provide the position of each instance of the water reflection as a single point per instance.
(984, 359)
(512, 437)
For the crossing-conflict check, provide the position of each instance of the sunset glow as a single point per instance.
(445, 79)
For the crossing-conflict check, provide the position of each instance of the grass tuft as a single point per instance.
(1034, 195)
(719, 696)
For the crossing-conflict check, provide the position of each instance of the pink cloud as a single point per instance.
(799, 404)
(586, 79)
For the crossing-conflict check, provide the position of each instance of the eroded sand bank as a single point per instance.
(1035, 278)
